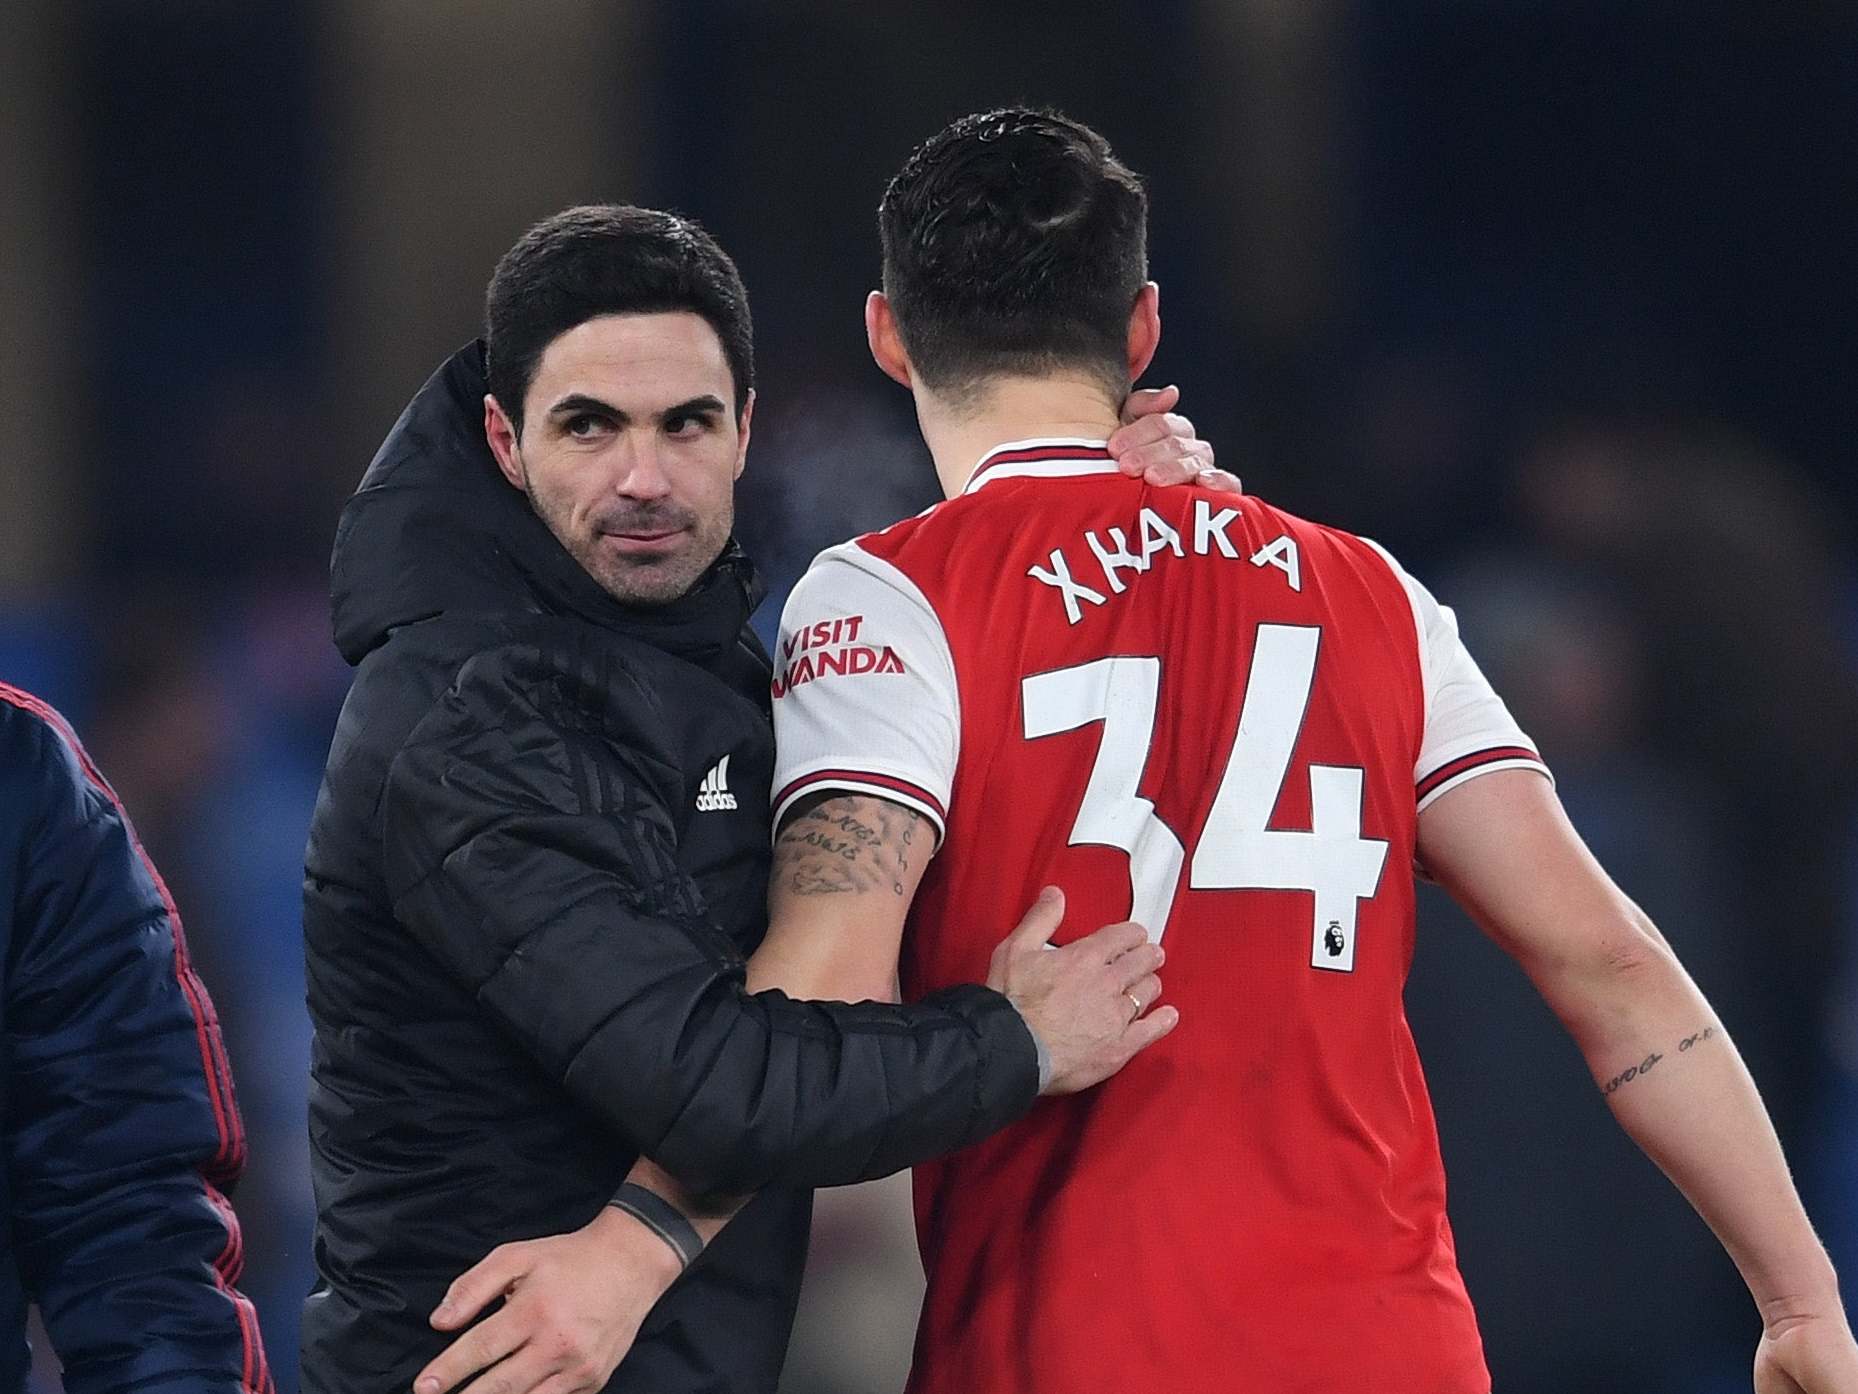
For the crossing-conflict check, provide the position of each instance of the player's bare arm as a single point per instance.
(846, 868)
(848, 849)
(1669, 1070)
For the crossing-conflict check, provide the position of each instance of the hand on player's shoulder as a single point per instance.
(1159, 446)
(1089, 1002)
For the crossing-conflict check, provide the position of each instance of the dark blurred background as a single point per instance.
(1557, 300)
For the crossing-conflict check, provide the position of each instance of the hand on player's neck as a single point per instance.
(959, 437)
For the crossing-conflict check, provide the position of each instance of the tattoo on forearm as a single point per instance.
(843, 843)
(1644, 1067)
(1626, 1076)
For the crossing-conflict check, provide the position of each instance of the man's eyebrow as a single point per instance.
(580, 401)
(709, 404)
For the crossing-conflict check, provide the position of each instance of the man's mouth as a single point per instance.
(643, 541)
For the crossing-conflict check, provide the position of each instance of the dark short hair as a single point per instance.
(1014, 242)
(608, 259)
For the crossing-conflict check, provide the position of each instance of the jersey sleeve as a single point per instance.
(1468, 729)
(865, 699)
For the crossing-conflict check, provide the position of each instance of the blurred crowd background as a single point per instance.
(1556, 300)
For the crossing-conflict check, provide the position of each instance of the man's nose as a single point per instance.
(641, 473)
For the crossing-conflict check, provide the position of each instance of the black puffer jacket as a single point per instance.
(525, 933)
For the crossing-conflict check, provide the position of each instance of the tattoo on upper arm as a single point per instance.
(1644, 1067)
(835, 843)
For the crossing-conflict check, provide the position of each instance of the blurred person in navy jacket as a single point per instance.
(120, 1128)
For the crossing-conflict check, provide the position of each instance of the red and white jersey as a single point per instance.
(1193, 710)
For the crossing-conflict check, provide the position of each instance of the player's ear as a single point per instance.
(1144, 329)
(880, 332)
(501, 434)
(741, 444)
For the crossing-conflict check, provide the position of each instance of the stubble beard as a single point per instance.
(645, 581)
(655, 582)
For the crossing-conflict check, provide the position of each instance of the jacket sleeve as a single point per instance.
(530, 846)
(121, 1124)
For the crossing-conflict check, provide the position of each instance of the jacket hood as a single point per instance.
(435, 529)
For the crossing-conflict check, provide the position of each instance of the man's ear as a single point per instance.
(502, 437)
(1144, 329)
(741, 445)
(880, 332)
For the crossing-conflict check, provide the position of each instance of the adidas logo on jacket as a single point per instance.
(713, 795)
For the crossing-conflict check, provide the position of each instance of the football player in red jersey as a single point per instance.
(1242, 729)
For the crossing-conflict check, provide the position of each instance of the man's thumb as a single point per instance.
(1146, 401)
(1041, 922)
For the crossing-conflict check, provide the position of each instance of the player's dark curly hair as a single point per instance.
(1014, 242)
(608, 259)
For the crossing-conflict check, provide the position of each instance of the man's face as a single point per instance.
(630, 450)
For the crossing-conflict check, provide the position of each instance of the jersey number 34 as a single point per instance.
(1237, 851)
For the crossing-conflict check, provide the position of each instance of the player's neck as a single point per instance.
(1012, 409)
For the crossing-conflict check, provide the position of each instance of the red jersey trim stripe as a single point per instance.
(1464, 764)
(229, 1159)
(883, 785)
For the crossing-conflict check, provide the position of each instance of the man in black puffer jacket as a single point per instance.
(540, 852)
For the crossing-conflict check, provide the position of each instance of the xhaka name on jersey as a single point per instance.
(1156, 537)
